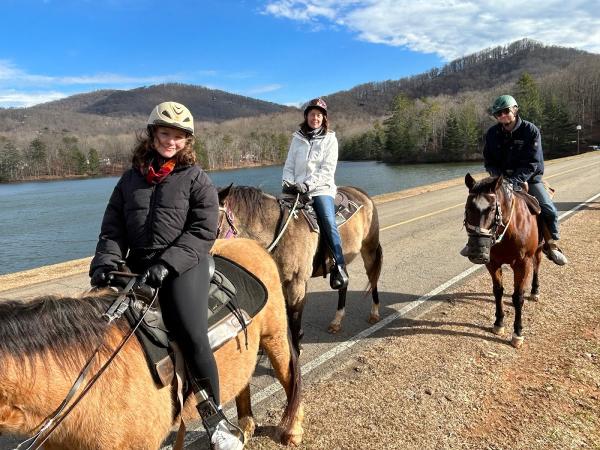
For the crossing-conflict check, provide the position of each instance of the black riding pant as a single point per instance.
(184, 305)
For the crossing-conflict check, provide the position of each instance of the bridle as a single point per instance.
(492, 232)
(227, 216)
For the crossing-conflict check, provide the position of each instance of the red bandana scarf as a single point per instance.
(153, 177)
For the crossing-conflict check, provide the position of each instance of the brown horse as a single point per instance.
(248, 212)
(45, 342)
(503, 230)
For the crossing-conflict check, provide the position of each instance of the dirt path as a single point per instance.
(445, 381)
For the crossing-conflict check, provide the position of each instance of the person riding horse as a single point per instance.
(309, 170)
(513, 149)
(162, 218)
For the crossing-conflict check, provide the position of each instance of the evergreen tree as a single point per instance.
(93, 162)
(36, 156)
(453, 145)
(10, 162)
(559, 131)
(528, 98)
(399, 141)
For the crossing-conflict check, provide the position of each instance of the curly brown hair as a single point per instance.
(144, 151)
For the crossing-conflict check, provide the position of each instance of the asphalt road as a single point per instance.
(421, 236)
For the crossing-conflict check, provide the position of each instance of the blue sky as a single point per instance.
(285, 51)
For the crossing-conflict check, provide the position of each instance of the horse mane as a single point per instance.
(63, 328)
(485, 186)
(247, 201)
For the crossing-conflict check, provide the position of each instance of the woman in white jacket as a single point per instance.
(310, 169)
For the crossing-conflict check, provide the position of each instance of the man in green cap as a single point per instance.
(513, 149)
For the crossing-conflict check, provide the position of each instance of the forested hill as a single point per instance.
(95, 110)
(480, 71)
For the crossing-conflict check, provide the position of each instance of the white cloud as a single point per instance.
(19, 88)
(264, 89)
(15, 99)
(453, 28)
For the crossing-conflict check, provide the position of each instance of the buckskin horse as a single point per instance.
(503, 229)
(249, 212)
(44, 343)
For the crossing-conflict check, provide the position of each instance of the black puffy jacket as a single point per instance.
(516, 154)
(175, 219)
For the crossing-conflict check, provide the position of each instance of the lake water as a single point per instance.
(49, 222)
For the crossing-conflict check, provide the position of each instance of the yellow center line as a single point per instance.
(421, 217)
(414, 219)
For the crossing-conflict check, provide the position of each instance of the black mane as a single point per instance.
(66, 329)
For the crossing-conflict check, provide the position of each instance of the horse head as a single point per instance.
(483, 215)
(243, 210)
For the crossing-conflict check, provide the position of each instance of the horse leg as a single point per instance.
(244, 412)
(295, 292)
(521, 270)
(535, 285)
(495, 271)
(373, 260)
(336, 323)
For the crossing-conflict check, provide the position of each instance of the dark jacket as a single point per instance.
(517, 154)
(176, 220)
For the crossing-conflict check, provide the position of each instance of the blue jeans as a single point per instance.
(549, 212)
(325, 208)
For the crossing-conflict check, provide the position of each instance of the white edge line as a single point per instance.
(275, 387)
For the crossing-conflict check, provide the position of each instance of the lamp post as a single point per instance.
(578, 130)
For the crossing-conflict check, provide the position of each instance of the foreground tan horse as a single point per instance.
(255, 214)
(45, 342)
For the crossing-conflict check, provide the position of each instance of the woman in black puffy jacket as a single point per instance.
(162, 219)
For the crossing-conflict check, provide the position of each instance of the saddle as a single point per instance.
(235, 297)
(531, 202)
(345, 208)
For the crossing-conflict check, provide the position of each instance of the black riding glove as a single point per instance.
(101, 277)
(301, 188)
(155, 275)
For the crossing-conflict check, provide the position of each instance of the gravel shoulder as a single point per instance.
(444, 381)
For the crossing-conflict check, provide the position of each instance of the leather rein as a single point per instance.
(118, 307)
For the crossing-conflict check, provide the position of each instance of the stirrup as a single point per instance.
(217, 426)
(338, 277)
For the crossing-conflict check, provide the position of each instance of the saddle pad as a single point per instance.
(345, 208)
(250, 297)
(251, 294)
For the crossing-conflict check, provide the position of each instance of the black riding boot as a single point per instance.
(338, 277)
(222, 434)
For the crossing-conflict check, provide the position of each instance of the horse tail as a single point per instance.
(293, 398)
(376, 270)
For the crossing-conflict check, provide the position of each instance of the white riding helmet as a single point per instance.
(172, 114)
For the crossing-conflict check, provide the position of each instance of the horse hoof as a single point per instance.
(248, 426)
(498, 331)
(292, 440)
(334, 328)
(517, 341)
(373, 319)
(534, 297)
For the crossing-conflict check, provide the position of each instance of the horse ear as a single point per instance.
(224, 193)
(469, 181)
